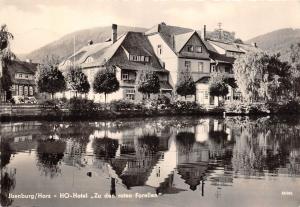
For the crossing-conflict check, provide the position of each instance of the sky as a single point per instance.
(35, 23)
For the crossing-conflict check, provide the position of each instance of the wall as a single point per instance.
(168, 57)
(194, 67)
(203, 97)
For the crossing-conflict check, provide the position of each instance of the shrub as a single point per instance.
(77, 105)
(183, 107)
(246, 108)
(123, 105)
(292, 107)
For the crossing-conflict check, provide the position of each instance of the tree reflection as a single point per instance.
(266, 144)
(6, 153)
(105, 147)
(149, 143)
(49, 153)
(8, 183)
(185, 141)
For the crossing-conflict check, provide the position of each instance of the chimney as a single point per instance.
(204, 32)
(90, 42)
(114, 33)
(254, 44)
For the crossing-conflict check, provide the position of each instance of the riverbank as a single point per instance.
(76, 110)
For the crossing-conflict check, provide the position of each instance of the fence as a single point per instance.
(21, 109)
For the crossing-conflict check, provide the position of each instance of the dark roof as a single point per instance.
(221, 58)
(22, 67)
(226, 46)
(134, 43)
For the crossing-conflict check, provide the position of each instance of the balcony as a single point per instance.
(127, 82)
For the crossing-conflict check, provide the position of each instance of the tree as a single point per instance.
(239, 41)
(260, 76)
(106, 82)
(77, 81)
(186, 86)
(276, 81)
(5, 57)
(149, 83)
(218, 86)
(50, 80)
(294, 60)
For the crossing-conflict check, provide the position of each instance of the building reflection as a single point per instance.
(166, 155)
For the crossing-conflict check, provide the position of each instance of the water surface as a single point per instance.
(157, 162)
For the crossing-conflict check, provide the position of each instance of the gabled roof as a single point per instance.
(181, 40)
(24, 68)
(226, 46)
(175, 37)
(134, 43)
(101, 52)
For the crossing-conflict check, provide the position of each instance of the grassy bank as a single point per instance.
(82, 109)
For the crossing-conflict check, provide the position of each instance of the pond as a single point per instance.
(178, 161)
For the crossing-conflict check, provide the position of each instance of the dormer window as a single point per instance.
(89, 60)
(139, 58)
(68, 63)
(190, 48)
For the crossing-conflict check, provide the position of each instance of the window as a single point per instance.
(68, 63)
(30, 91)
(200, 67)
(26, 90)
(187, 65)
(131, 57)
(130, 93)
(26, 76)
(206, 94)
(20, 75)
(190, 48)
(139, 58)
(89, 60)
(213, 68)
(125, 76)
(20, 90)
(199, 49)
(159, 49)
(227, 69)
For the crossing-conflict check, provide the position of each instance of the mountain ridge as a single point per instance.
(64, 46)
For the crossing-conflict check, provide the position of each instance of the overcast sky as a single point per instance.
(37, 22)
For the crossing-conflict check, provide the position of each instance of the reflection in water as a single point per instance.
(170, 156)
(6, 153)
(8, 182)
(105, 147)
(49, 153)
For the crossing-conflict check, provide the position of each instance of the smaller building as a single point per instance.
(22, 76)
